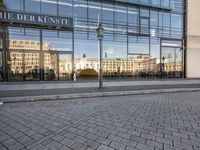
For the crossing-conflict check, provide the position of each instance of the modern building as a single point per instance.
(52, 39)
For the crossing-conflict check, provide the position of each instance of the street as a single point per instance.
(169, 121)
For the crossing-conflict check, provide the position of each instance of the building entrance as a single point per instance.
(171, 60)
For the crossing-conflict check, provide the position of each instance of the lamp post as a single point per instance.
(100, 34)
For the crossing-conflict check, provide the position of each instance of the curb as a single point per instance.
(92, 95)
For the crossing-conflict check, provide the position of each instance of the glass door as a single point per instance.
(172, 62)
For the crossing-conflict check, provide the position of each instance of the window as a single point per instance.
(156, 2)
(32, 6)
(120, 15)
(108, 12)
(49, 7)
(57, 41)
(133, 19)
(65, 7)
(144, 26)
(14, 4)
(138, 45)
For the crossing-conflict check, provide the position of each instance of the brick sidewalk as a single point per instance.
(157, 122)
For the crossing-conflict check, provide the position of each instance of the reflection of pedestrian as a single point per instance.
(74, 77)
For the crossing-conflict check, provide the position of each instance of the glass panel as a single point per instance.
(177, 5)
(13, 4)
(51, 66)
(171, 62)
(145, 1)
(108, 12)
(120, 15)
(166, 24)
(156, 2)
(133, 22)
(140, 66)
(1, 67)
(31, 66)
(65, 66)
(32, 6)
(23, 39)
(115, 63)
(154, 23)
(94, 11)
(144, 12)
(80, 15)
(154, 61)
(57, 41)
(138, 45)
(15, 66)
(144, 26)
(65, 7)
(165, 3)
(86, 59)
(176, 21)
(49, 7)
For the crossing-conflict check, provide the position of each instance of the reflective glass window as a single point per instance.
(145, 1)
(108, 11)
(80, 9)
(133, 18)
(144, 26)
(156, 2)
(120, 15)
(86, 58)
(176, 5)
(56, 41)
(94, 15)
(32, 6)
(65, 7)
(165, 3)
(80, 14)
(114, 49)
(49, 7)
(138, 45)
(154, 23)
(13, 4)
(23, 38)
(166, 24)
(176, 21)
(144, 12)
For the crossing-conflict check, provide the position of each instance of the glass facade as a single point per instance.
(133, 44)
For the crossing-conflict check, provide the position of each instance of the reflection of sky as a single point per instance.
(87, 47)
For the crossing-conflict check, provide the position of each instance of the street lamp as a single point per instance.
(100, 34)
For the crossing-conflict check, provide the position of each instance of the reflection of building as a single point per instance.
(27, 45)
(132, 64)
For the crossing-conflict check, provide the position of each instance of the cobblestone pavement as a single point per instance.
(143, 122)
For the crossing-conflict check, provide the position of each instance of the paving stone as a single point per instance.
(80, 139)
(117, 145)
(78, 146)
(141, 146)
(103, 147)
(54, 145)
(67, 142)
(103, 140)
(92, 144)
(160, 121)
